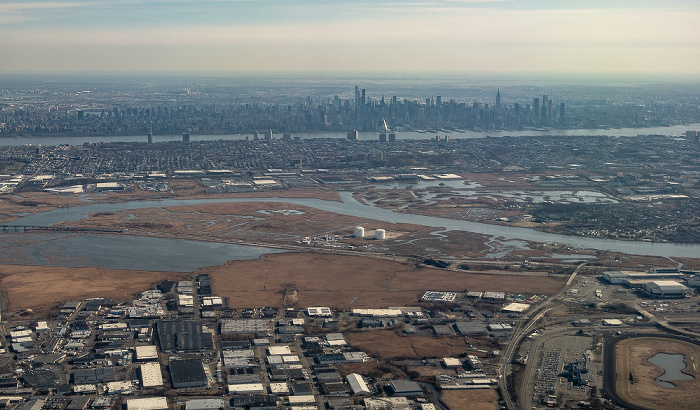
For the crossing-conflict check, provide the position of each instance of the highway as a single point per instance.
(526, 326)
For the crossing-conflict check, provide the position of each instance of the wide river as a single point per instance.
(675, 130)
(118, 251)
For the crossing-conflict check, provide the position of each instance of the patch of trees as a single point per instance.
(436, 262)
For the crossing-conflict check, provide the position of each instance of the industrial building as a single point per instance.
(629, 278)
(319, 311)
(183, 336)
(205, 404)
(665, 289)
(357, 384)
(257, 327)
(405, 388)
(151, 375)
(434, 296)
(187, 373)
(148, 403)
(145, 353)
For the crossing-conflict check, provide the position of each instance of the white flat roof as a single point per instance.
(246, 388)
(264, 182)
(279, 388)
(146, 353)
(148, 403)
(319, 311)
(151, 375)
(278, 350)
(516, 307)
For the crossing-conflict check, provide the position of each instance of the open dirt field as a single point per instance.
(481, 399)
(388, 345)
(632, 357)
(319, 279)
(352, 281)
(40, 288)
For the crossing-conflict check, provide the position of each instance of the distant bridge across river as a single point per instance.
(23, 228)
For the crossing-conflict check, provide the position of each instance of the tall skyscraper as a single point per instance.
(536, 108)
(545, 103)
(562, 113)
(498, 99)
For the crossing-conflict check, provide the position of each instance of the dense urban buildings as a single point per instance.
(220, 108)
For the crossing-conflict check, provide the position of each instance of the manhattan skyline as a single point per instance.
(443, 36)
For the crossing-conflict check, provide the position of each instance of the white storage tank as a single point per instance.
(379, 234)
(359, 232)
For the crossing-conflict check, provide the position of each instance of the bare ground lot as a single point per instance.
(40, 288)
(391, 345)
(352, 281)
(632, 357)
(320, 279)
(481, 399)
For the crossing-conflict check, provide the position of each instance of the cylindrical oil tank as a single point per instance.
(359, 232)
(379, 234)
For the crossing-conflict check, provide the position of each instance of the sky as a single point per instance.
(596, 37)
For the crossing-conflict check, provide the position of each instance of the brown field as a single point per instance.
(480, 399)
(632, 356)
(372, 369)
(40, 288)
(352, 281)
(389, 345)
(320, 279)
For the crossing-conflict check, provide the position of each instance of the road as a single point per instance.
(519, 333)
(664, 324)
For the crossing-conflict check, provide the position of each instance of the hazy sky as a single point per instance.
(529, 36)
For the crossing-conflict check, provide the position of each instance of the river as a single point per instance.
(348, 206)
(675, 130)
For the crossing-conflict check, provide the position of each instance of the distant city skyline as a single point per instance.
(643, 37)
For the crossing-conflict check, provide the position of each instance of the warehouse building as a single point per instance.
(205, 404)
(405, 388)
(630, 277)
(183, 336)
(148, 403)
(187, 373)
(357, 384)
(146, 353)
(257, 327)
(435, 296)
(666, 289)
(151, 375)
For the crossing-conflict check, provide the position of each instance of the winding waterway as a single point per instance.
(349, 206)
